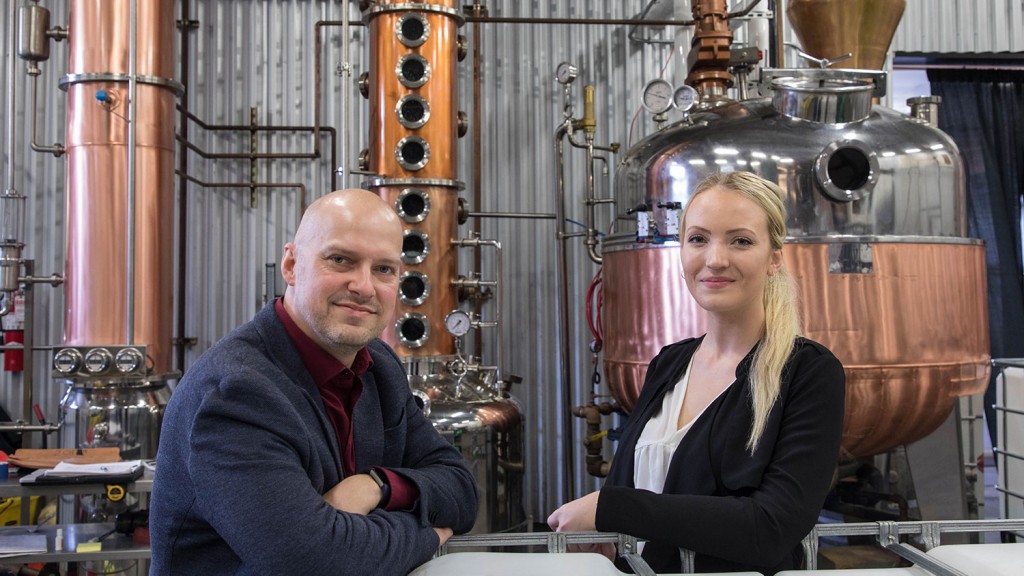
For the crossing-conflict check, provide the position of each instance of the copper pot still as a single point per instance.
(876, 206)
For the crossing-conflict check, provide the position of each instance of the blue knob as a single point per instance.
(102, 95)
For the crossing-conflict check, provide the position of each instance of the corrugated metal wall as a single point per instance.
(255, 59)
(961, 26)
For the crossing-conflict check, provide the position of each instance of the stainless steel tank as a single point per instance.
(888, 279)
(124, 414)
(485, 424)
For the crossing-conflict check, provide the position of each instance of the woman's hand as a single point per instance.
(580, 515)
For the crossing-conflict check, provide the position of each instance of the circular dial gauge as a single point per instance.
(565, 73)
(458, 323)
(684, 98)
(657, 98)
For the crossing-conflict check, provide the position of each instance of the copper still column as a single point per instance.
(97, 177)
(414, 129)
(413, 137)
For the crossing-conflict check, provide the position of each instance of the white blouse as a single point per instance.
(660, 438)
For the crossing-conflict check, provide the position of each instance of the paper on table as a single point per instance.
(101, 469)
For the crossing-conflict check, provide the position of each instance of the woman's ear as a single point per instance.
(775, 263)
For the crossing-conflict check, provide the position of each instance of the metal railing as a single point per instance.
(888, 535)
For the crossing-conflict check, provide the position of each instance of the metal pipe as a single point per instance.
(780, 35)
(11, 95)
(346, 71)
(499, 275)
(279, 156)
(29, 334)
(249, 155)
(591, 240)
(133, 37)
(57, 149)
(19, 427)
(478, 10)
(317, 49)
(562, 326)
(521, 215)
(185, 64)
(581, 21)
(301, 187)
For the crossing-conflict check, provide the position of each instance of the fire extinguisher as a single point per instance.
(13, 325)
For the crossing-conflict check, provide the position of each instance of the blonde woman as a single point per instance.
(732, 444)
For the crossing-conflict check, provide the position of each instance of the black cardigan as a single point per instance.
(737, 511)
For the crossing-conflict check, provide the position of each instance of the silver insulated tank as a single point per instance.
(876, 206)
(478, 416)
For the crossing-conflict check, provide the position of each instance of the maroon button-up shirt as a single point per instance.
(340, 388)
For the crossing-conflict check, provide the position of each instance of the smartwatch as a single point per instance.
(385, 488)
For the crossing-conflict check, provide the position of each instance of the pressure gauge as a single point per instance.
(458, 323)
(565, 73)
(657, 98)
(684, 98)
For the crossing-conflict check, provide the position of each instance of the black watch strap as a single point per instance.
(385, 488)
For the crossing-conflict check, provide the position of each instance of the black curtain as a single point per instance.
(983, 111)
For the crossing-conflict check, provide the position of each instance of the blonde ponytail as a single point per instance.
(782, 326)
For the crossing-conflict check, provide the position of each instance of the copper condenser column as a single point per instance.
(97, 181)
(117, 349)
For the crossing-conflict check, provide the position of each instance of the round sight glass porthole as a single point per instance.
(413, 70)
(846, 170)
(412, 29)
(415, 247)
(412, 205)
(413, 330)
(413, 288)
(412, 110)
(412, 153)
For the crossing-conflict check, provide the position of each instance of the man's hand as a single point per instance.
(443, 534)
(356, 494)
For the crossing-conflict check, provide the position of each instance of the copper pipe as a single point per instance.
(709, 51)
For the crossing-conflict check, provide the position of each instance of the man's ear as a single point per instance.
(288, 264)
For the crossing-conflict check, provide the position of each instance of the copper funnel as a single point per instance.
(833, 28)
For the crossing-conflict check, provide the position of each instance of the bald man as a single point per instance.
(294, 446)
